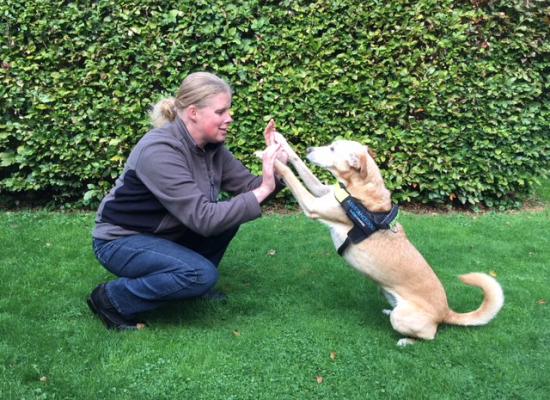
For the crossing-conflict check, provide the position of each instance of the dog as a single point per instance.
(416, 295)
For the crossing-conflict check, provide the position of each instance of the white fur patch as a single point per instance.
(405, 342)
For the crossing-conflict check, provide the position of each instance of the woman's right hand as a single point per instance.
(269, 133)
(268, 172)
(273, 137)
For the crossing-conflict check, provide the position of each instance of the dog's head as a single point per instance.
(343, 158)
(353, 165)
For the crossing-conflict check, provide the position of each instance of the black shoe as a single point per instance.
(214, 295)
(102, 307)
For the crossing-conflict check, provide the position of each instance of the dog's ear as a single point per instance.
(359, 162)
(371, 152)
(363, 164)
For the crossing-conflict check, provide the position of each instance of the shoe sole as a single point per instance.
(108, 324)
(91, 305)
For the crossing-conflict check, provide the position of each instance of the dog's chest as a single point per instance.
(356, 256)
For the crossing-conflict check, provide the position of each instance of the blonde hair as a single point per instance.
(196, 89)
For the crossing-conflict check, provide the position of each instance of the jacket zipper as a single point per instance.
(210, 179)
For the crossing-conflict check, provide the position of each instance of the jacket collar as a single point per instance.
(190, 142)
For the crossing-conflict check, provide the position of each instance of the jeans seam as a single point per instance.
(180, 287)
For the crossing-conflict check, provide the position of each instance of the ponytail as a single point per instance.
(163, 112)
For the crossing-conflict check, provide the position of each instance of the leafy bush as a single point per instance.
(452, 95)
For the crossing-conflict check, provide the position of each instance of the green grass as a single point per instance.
(293, 302)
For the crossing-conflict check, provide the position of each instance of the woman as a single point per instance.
(161, 229)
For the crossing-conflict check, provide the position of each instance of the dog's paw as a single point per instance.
(280, 139)
(405, 342)
(259, 154)
(387, 311)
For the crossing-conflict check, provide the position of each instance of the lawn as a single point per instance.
(299, 324)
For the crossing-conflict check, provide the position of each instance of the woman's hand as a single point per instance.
(268, 172)
(273, 137)
(269, 133)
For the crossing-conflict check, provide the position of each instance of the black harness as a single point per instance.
(365, 222)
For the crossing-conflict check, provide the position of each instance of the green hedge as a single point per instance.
(452, 95)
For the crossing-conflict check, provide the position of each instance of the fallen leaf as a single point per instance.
(43, 379)
(236, 333)
(333, 355)
(271, 253)
(493, 274)
(319, 379)
(541, 301)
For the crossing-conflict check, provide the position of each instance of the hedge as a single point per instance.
(452, 95)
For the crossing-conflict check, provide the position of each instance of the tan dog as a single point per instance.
(387, 256)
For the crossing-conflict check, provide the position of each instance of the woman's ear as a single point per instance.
(191, 112)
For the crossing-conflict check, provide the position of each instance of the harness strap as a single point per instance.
(365, 222)
(343, 246)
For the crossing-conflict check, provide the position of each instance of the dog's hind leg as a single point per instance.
(411, 322)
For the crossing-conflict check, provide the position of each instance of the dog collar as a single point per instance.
(365, 222)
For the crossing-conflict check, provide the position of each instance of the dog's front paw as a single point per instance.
(280, 139)
(259, 154)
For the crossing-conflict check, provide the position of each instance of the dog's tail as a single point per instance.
(492, 302)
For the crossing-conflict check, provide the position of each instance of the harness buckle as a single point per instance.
(393, 223)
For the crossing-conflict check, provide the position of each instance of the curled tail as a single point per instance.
(491, 305)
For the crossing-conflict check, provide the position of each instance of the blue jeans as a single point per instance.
(153, 271)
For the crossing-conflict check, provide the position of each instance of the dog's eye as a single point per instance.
(331, 148)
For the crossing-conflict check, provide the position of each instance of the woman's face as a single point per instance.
(213, 121)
